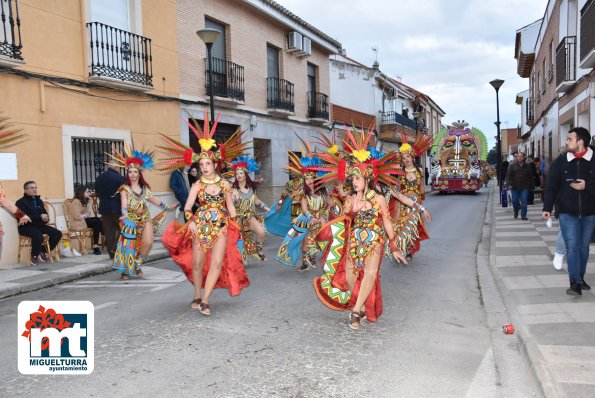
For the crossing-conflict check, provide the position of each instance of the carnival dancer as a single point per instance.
(340, 190)
(356, 240)
(206, 246)
(407, 220)
(136, 237)
(8, 136)
(280, 217)
(246, 202)
(301, 238)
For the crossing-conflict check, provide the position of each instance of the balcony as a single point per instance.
(228, 81)
(119, 58)
(588, 35)
(317, 107)
(280, 96)
(10, 34)
(397, 118)
(566, 64)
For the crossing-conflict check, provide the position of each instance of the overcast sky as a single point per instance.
(447, 49)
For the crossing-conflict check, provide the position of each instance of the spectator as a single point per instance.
(32, 205)
(80, 216)
(106, 188)
(571, 183)
(520, 180)
(192, 175)
(179, 185)
(503, 170)
(531, 164)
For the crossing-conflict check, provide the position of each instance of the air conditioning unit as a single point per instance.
(294, 42)
(306, 48)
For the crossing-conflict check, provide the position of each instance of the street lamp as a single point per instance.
(497, 83)
(209, 36)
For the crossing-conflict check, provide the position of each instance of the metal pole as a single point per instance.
(211, 90)
(499, 148)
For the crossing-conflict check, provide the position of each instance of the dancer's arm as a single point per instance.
(388, 227)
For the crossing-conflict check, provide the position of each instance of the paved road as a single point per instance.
(276, 339)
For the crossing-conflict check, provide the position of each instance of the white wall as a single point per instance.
(354, 87)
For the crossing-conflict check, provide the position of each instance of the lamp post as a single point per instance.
(209, 36)
(497, 83)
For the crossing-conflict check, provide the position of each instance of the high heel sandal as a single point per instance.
(124, 277)
(204, 309)
(354, 320)
(195, 304)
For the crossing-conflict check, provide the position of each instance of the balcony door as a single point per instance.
(218, 59)
(273, 84)
(114, 13)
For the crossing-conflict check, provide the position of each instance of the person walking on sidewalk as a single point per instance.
(571, 184)
(106, 188)
(520, 180)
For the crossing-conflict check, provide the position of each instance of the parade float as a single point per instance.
(458, 155)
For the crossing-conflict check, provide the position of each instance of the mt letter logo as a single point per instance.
(56, 337)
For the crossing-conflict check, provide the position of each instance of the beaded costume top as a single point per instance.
(137, 203)
(207, 201)
(245, 203)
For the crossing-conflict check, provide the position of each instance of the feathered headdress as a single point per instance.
(8, 135)
(306, 165)
(205, 138)
(183, 155)
(360, 159)
(368, 161)
(245, 163)
(422, 143)
(132, 158)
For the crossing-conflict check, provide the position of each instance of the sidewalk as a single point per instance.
(18, 278)
(556, 331)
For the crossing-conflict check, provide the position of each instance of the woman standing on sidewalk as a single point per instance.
(136, 237)
(246, 202)
(206, 246)
(356, 240)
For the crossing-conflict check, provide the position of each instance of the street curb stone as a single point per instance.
(545, 378)
(100, 268)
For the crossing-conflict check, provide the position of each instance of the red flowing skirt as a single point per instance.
(233, 276)
(373, 303)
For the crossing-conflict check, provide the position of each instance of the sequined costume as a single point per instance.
(212, 223)
(408, 222)
(245, 210)
(351, 237)
(126, 258)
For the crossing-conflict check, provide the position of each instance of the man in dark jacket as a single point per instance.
(32, 205)
(179, 185)
(106, 188)
(520, 180)
(571, 184)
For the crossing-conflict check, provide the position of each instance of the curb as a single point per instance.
(527, 344)
(158, 254)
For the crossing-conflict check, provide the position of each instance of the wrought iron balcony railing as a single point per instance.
(566, 62)
(228, 79)
(280, 94)
(587, 33)
(317, 105)
(10, 30)
(120, 55)
(397, 118)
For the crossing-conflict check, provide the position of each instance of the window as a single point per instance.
(89, 157)
(272, 61)
(219, 47)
